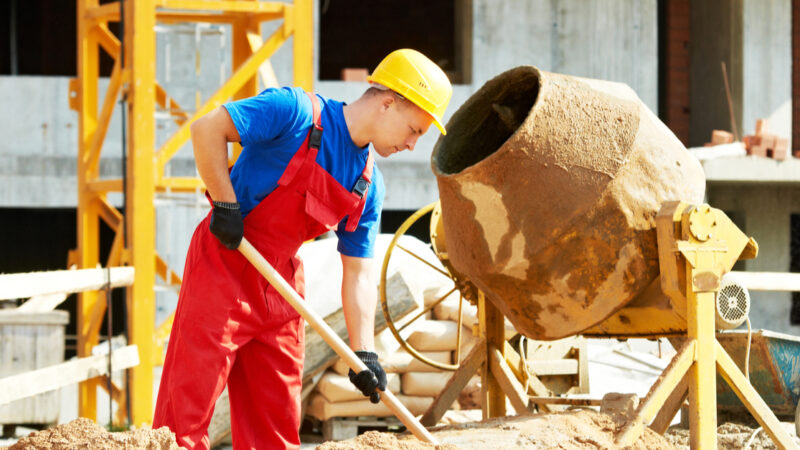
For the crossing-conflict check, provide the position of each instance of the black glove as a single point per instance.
(226, 224)
(369, 381)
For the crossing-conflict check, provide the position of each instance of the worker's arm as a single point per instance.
(210, 136)
(359, 295)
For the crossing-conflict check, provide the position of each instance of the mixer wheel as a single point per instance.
(444, 270)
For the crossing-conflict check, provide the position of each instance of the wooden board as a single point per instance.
(23, 385)
(26, 285)
(28, 342)
(456, 384)
(766, 281)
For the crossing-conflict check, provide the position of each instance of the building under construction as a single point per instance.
(498, 276)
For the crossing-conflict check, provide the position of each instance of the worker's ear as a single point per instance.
(387, 101)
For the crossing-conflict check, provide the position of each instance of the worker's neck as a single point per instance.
(359, 117)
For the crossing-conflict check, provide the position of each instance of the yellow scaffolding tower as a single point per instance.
(134, 77)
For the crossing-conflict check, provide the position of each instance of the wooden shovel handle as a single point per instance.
(341, 349)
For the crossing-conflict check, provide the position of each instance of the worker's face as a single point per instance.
(400, 125)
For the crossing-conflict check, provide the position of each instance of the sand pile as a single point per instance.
(582, 429)
(84, 433)
(730, 436)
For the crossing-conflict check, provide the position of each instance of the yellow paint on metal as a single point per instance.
(230, 6)
(109, 103)
(491, 327)
(108, 12)
(242, 51)
(88, 223)
(234, 83)
(301, 25)
(702, 392)
(140, 45)
(181, 184)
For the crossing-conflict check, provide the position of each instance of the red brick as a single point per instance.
(768, 141)
(758, 150)
(354, 74)
(762, 126)
(721, 137)
(781, 149)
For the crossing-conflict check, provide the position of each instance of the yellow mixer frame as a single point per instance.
(697, 245)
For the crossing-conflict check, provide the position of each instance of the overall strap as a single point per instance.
(309, 147)
(361, 189)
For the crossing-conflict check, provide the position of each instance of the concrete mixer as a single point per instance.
(568, 207)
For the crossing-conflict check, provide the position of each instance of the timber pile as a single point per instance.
(415, 382)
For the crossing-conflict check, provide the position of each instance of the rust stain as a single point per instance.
(549, 188)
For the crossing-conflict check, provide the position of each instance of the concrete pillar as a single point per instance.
(717, 27)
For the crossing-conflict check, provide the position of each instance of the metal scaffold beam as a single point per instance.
(133, 78)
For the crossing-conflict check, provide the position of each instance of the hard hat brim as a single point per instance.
(439, 125)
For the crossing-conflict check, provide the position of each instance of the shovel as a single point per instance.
(294, 299)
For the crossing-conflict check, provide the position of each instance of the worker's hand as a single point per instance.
(371, 380)
(226, 224)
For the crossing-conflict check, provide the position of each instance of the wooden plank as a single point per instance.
(535, 385)
(548, 367)
(42, 380)
(658, 395)
(766, 281)
(319, 355)
(468, 368)
(566, 401)
(26, 285)
(508, 381)
(491, 326)
(42, 303)
(671, 407)
(16, 317)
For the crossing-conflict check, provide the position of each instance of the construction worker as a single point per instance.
(305, 168)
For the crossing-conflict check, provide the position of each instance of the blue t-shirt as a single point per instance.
(272, 126)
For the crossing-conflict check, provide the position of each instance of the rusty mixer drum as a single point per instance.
(549, 186)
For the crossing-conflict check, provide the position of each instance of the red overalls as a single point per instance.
(232, 326)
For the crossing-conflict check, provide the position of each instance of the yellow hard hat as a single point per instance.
(417, 78)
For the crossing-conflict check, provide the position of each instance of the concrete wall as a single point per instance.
(716, 36)
(753, 38)
(767, 65)
(765, 214)
(615, 40)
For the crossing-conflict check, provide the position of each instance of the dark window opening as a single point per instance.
(39, 37)
(38, 239)
(794, 266)
(359, 33)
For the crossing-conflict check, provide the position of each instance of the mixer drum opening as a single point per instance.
(549, 187)
(484, 123)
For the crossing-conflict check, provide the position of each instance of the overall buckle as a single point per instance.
(315, 140)
(361, 186)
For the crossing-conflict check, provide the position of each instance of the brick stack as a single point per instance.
(766, 144)
(719, 137)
